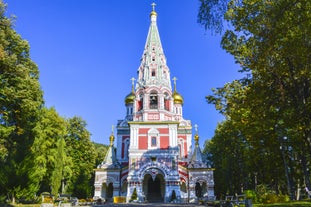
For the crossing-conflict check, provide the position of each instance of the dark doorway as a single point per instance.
(109, 194)
(198, 190)
(154, 188)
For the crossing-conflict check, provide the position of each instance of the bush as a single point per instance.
(264, 194)
(250, 194)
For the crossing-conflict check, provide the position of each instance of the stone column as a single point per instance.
(97, 191)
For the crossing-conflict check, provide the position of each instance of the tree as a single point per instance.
(101, 151)
(20, 102)
(271, 42)
(82, 152)
(52, 162)
(39, 150)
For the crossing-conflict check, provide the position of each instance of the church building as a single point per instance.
(154, 159)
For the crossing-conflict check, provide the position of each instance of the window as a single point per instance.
(153, 73)
(153, 138)
(166, 102)
(181, 148)
(153, 141)
(183, 187)
(153, 101)
(140, 103)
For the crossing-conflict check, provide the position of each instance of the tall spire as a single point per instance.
(153, 69)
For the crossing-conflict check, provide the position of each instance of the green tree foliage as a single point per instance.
(101, 151)
(271, 107)
(49, 152)
(39, 150)
(82, 152)
(20, 102)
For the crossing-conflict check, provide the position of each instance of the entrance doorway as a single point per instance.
(154, 189)
(109, 194)
(200, 189)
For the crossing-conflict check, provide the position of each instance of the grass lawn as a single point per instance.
(290, 204)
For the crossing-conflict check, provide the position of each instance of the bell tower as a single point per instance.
(154, 101)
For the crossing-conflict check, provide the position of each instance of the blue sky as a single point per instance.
(87, 51)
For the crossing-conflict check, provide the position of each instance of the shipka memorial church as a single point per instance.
(154, 159)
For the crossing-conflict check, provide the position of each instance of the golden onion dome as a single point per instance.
(153, 13)
(111, 138)
(129, 99)
(196, 138)
(178, 99)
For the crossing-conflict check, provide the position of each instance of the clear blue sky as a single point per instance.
(87, 51)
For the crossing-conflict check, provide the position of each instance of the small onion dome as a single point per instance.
(196, 139)
(129, 99)
(111, 138)
(178, 99)
(153, 13)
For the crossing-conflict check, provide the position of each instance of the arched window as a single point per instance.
(153, 100)
(153, 138)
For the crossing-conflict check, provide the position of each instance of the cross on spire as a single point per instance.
(174, 79)
(153, 6)
(196, 128)
(133, 80)
(112, 129)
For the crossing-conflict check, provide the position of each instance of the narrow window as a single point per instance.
(153, 73)
(140, 103)
(166, 102)
(153, 141)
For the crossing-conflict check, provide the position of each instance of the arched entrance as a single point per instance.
(109, 194)
(154, 188)
(198, 190)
